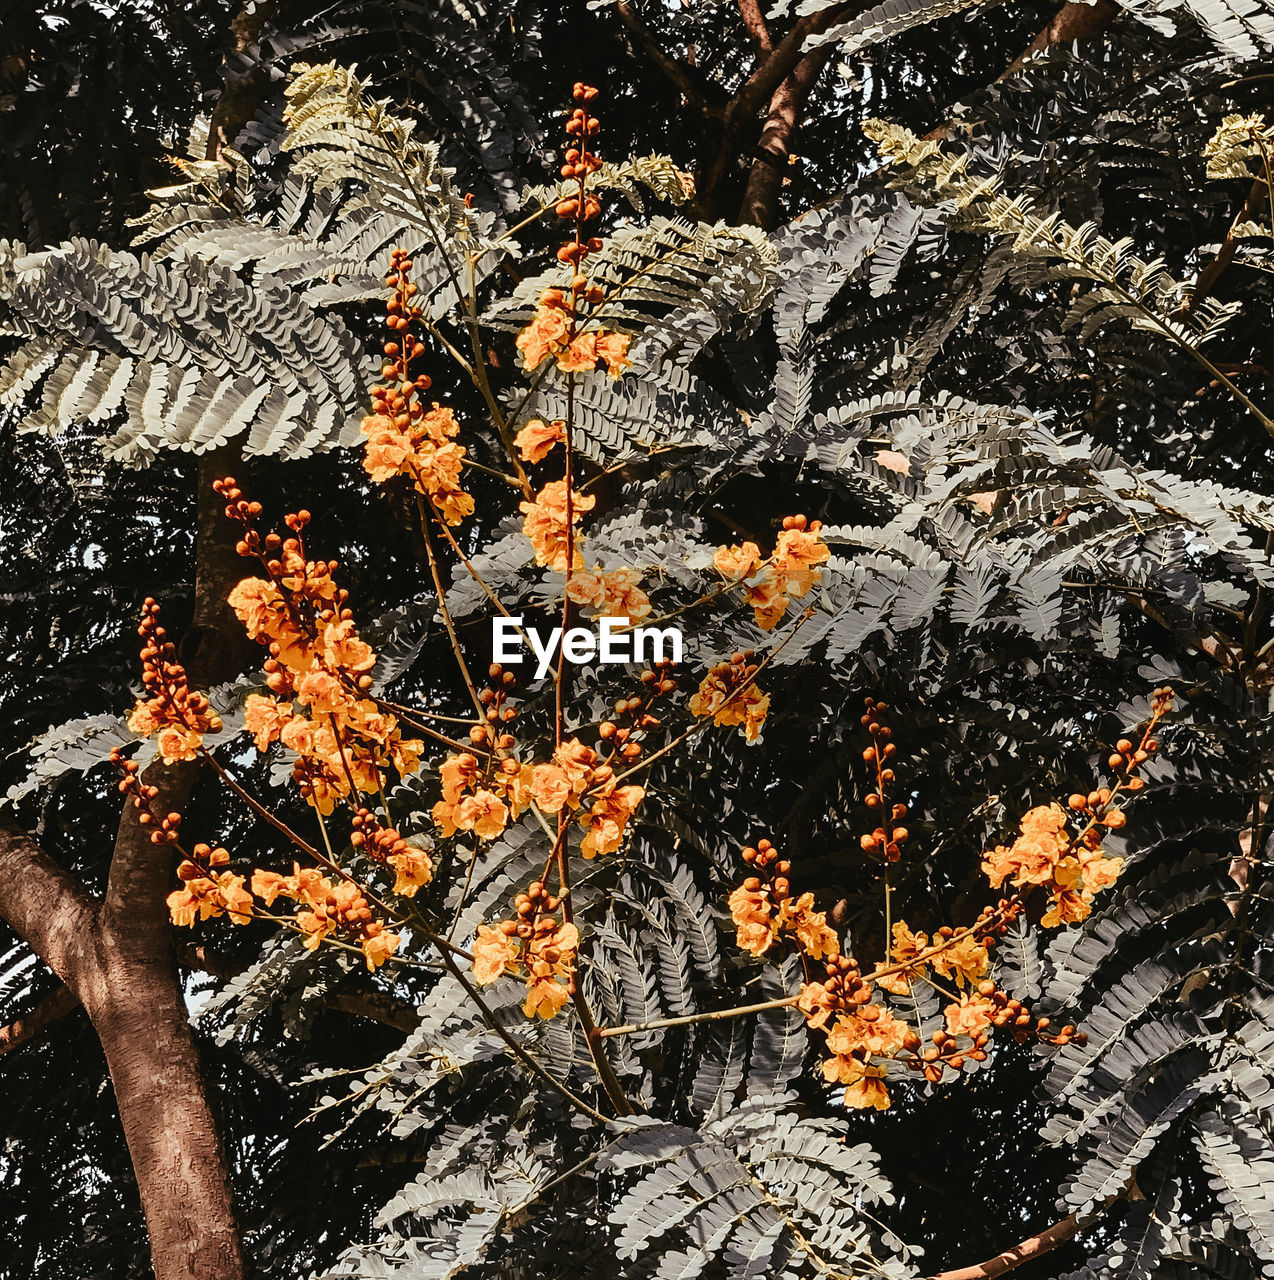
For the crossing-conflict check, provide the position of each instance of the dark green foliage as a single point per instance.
(1038, 510)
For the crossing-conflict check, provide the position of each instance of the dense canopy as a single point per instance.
(913, 361)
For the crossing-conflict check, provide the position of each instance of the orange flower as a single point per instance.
(544, 998)
(547, 333)
(1067, 907)
(493, 953)
(259, 606)
(576, 761)
(768, 598)
(235, 899)
(387, 450)
(179, 721)
(869, 1030)
(970, 1016)
(378, 947)
(323, 691)
(264, 718)
(817, 1004)
(613, 348)
(177, 742)
(545, 523)
(458, 774)
(537, 439)
(314, 928)
(907, 946)
(615, 594)
(551, 955)
(868, 1091)
(580, 356)
(268, 885)
(196, 899)
(483, 813)
(515, 786)
(405, 753)
(720, 697)
(1098, 873)
(550, 787)
(1034, 855)
(413, 868)
(607, 820)
(739, 562)
(796, 552)
(343, 651)
(810, 927)
(965, 960)
(753, 915)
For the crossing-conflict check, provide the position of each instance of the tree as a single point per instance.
(978, 396)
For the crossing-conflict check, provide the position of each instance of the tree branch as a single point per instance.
(1229, 246)
(765, 180)
(754, 20)
(1073, 22)
(45, 905)
(1010, 1259)
(1036, 1246)
(693, 85)
(760, 86)
(52, 1008)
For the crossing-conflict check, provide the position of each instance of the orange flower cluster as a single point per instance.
(179, 716)
(859, 1034)
(728, 693)
(763, 909)
(558, 329)
(613, 594)
(412, 865)
(537, 944)
(485, 800)
(403, 436)
(338, 909)
(960, 956)
(347, 741)
(1072, 871)
(548, 527)
(786, 575)
(206, 891)
(555, 333)
(1070, 866)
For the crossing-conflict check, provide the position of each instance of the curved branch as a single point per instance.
(44, 905)
(52, 1008)
(695, 87)
(1036, 1246)
(1229, 246)
(769, 74)
(1010, 1259)
(1073, 22)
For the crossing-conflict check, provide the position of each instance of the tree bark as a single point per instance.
(765, 180)
(1011, 1259)
(116, 956)
(1072, 22)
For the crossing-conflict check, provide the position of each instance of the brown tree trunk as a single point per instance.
(133, 996)
(115, 956)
